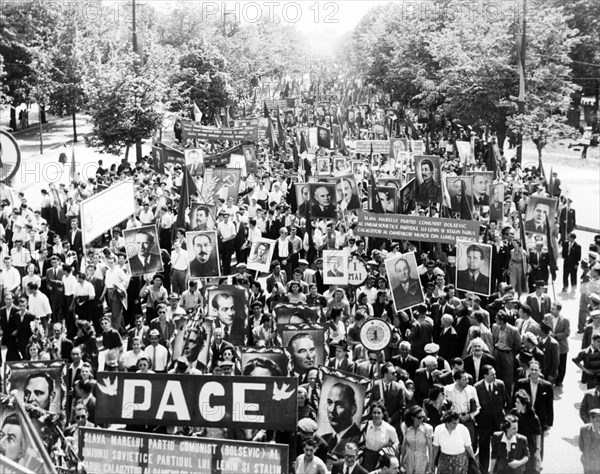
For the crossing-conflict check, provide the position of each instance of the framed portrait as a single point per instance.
(399, 145)
(387, 198)
(418, 147)
(473, 267)
(335, 267)
(404, 281)
(323, 166)
(347, 192)
(203, 253)
(202, 217)
(264, 361)
(461, 197)
(428, 188)
(357, 167)
(340, 165)
(342, 409)
(295, 314)
(497, 202)
(482, 181)
(302, 198)
(540, 213)
(226, 306)
(194, 161)
(403, 159)
(221, 183)
(312, 137)
(305, 345)
(143, 252)
(249, 152)
(260, 256)
(193, 342)
(322, 200)
(406, 201)
(323, 137)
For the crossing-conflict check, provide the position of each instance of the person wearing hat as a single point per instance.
(341, 361)
(591, 329)
(530, 343)
(589, 443)
(566, 220)
(157, 354)
(588, 360)
(551, 350)
(539, 301)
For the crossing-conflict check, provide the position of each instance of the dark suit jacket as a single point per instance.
(210, 268)
(338, 468)
(462, 331)
(411, 364)
(530, 226)
(544, 400)
(5, 316)
(486, 359)
(492, 405)
(345, 365)
(551, 358)
(406, 299)
(513, 338)
(152, 265)
(363, 369)
(333, 274)
(329, 211)
(394, 401)
(538, 313)
(481, 284)
(23, 328)
(448, 342)
(561, 333)
(76, 242)
(51, 276)
(422, 385)
(164, 339)
(499, 452)
(539, 269)
(350, 436)
(572, 259)
(144, 335)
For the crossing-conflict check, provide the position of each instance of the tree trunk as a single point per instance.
(138, 151)
(42, 113)
(74, 128)
(13, 119)
(127, 153)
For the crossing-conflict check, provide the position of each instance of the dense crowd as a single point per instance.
(467, 375)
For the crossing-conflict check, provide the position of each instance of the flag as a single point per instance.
(157, 159)
(227, 118)
(73, 170)
(376, 205)
(217, 120)
(266, 110)
(197, 113)
(270, 136)
(542, 171)
(281, 131)
(550, 186)
(551, 253)
(188, 187)
(522, 230)
(303, 146)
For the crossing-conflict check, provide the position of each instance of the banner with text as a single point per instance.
(110, 451)
(193, 131)
(418, 228)
(379, 146)
(282, 103)
(197, 400)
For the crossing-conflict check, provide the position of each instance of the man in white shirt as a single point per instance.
(115, 288)
(464, 400)
(227, 233)
(157, 353)
(39, 304)
(11, 278)
(84, 294)
(179, 267)
(146, 214)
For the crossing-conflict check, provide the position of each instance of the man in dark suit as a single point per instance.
(538, 222)
(56, 289)
(406, 361)
(349, 465)
(500, 257)
(539, 302)
(140, 330)
(478, 359)
(144, 261)
(7, 312)
(507, 344)
(424, 379)
(461, 324)
(19, 328)
(492, 399)
(217, 347)
(75, 239)
(459, 203)
(341, 408)
(340, 361)
(561, 330)
(571, 253)
(480, 190)
(205, 264)
(551, 350)
(406, 290)
(322, 203)
(540, 266)
(334, 264)
(304, 208)
(393, 395)
(347, 196)
(543, 398)
(566, 220)
(448, 339)
(472, 279)
(369, 368)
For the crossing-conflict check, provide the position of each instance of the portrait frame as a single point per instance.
(342, 201)
(413, 294)
(460, 209)
(237, 329)
(328, 211)
(194, 161)
(132, 251)
(249, 152)
(331, 276)
(323, 137)
(286, 313)
(286, 332)
(406, 201)
(261, 264)
(391, 198)
(303, 202)
(530, 214)
(211, 223)
(483, 280)
(221, 183)
(420, 191)
(323, 166)
(489, 178)
(496, 211)
(344, 165)
(200, 359)
(210, 268)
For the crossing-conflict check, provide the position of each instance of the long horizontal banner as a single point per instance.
(172, 155)
(379, 146)
(110, 451)
(221, 159)
(193, 131)
(418, 228)
(282, 103)
(197, 400)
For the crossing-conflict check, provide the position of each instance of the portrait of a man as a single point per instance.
(201, 217)
(249, 152)
(340, 165)
(203, 253)
(322, 200)
(39, 390)
(538, 210)
(497, 202)
(323, 137)
(323, 165)
(481, 195)
(357, 167)
(428, 181)
(347, 193)
(461, 199)
(407, 199)
(473, 267)
(303, 198)
(227, 305)
(142, 250)
(260, 256)
(194, 160)
(191, 342)
(404, 281)
(13, 444)
(387, 198)
(334, 264)
(335, 267)
(340, 411)
(303, 353)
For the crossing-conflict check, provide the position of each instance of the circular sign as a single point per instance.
(357, 272)
(10, 156)
(375, 334)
